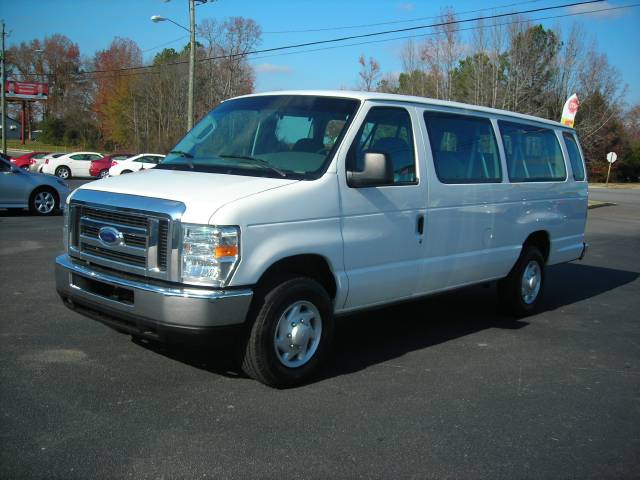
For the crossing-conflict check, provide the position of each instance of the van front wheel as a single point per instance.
(521, 291)
(290, 334)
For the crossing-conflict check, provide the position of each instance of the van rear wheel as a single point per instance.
(520, 292)
(291, 333)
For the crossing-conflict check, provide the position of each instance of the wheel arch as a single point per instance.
(312, 266)
(541, 240)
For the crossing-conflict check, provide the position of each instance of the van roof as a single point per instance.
(358, 95)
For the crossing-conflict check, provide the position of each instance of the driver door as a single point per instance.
(383, 226)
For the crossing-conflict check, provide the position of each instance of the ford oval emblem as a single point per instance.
(109, 236)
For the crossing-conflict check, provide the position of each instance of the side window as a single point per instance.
(574, 156)
(386, 130)
(94, 157)
(77, 157)
(533, 153)
(464, 148)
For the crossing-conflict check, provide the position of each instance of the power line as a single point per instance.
(526, 20)
(405, 37)
(395, 22)
(353, 37)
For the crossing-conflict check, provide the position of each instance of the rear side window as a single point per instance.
(574, 156)
(464, 148)
(533, 153)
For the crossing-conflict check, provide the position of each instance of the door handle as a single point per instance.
(420, 224)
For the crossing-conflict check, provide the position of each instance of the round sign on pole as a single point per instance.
(612, 157)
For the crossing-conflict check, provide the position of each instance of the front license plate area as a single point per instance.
(105, 290)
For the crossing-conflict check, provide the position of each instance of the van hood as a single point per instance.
(202, 193)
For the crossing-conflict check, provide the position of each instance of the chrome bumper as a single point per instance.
(149, 308)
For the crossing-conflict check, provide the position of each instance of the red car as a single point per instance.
(28, 159)
(100, 168)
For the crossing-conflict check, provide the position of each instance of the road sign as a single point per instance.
(612, 157)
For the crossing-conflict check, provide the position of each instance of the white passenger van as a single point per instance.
(280, 211)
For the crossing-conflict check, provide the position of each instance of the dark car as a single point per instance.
(100, 168)
(29, 161)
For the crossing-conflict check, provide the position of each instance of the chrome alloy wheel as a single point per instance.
(531, 282)
(63, 173)
(44, 202)
(298, 334)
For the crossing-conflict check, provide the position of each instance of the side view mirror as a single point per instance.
(377, 171)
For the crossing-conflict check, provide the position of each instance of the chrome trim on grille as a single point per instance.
(149, 244)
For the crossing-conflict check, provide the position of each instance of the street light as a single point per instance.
(192, 52)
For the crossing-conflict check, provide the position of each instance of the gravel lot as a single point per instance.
(440, 388)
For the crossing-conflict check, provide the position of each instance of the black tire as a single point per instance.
(261, 360)
(103, 173)
(125, 171)
(63, 172)
(25, 167)
(44, 201)
(516, 299)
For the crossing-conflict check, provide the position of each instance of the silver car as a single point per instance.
(41, 194)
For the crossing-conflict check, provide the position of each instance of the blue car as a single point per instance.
(42, 194)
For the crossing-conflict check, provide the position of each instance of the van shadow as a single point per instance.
(372, 337)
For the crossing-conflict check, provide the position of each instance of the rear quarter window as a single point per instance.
(574, 156)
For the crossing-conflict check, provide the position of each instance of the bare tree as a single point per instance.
(369, 73)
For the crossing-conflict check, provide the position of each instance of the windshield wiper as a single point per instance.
(258, 161)
(185, 155)
(181, 153)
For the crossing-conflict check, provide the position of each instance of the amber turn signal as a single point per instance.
(226, 251)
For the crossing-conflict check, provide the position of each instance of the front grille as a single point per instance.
(163, 244)
(111, 217)
(142, 245)
(113, 255)
(133, 240)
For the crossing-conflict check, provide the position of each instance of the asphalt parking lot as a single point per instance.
(440, 388)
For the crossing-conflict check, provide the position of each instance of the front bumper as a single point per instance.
(148, 308)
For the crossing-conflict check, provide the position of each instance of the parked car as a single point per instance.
(41, 194)
(100, 168)
(144, 161)
(29, 161)
(70, 165)
(48, 157)
(279, 211)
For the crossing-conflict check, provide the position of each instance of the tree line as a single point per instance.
(519, 66)
(107, 102)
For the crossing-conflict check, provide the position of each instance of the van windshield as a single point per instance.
(292, 136)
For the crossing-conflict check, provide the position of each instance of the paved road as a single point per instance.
(440, 388)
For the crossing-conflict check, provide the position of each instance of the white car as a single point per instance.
(74, 164)
(144, 161)
(39, 165)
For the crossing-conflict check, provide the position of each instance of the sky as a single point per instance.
(92, 24)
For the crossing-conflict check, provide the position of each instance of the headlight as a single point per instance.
(209, 254)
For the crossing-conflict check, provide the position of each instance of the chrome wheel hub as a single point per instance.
(297, 334)
(531, 282)
(44, 202)
(64, 173)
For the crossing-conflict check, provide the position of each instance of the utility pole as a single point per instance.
(4, 106)
(192, 62)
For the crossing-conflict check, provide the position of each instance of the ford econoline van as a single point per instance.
(279, 211)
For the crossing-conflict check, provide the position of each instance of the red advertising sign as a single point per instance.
(26, 90)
